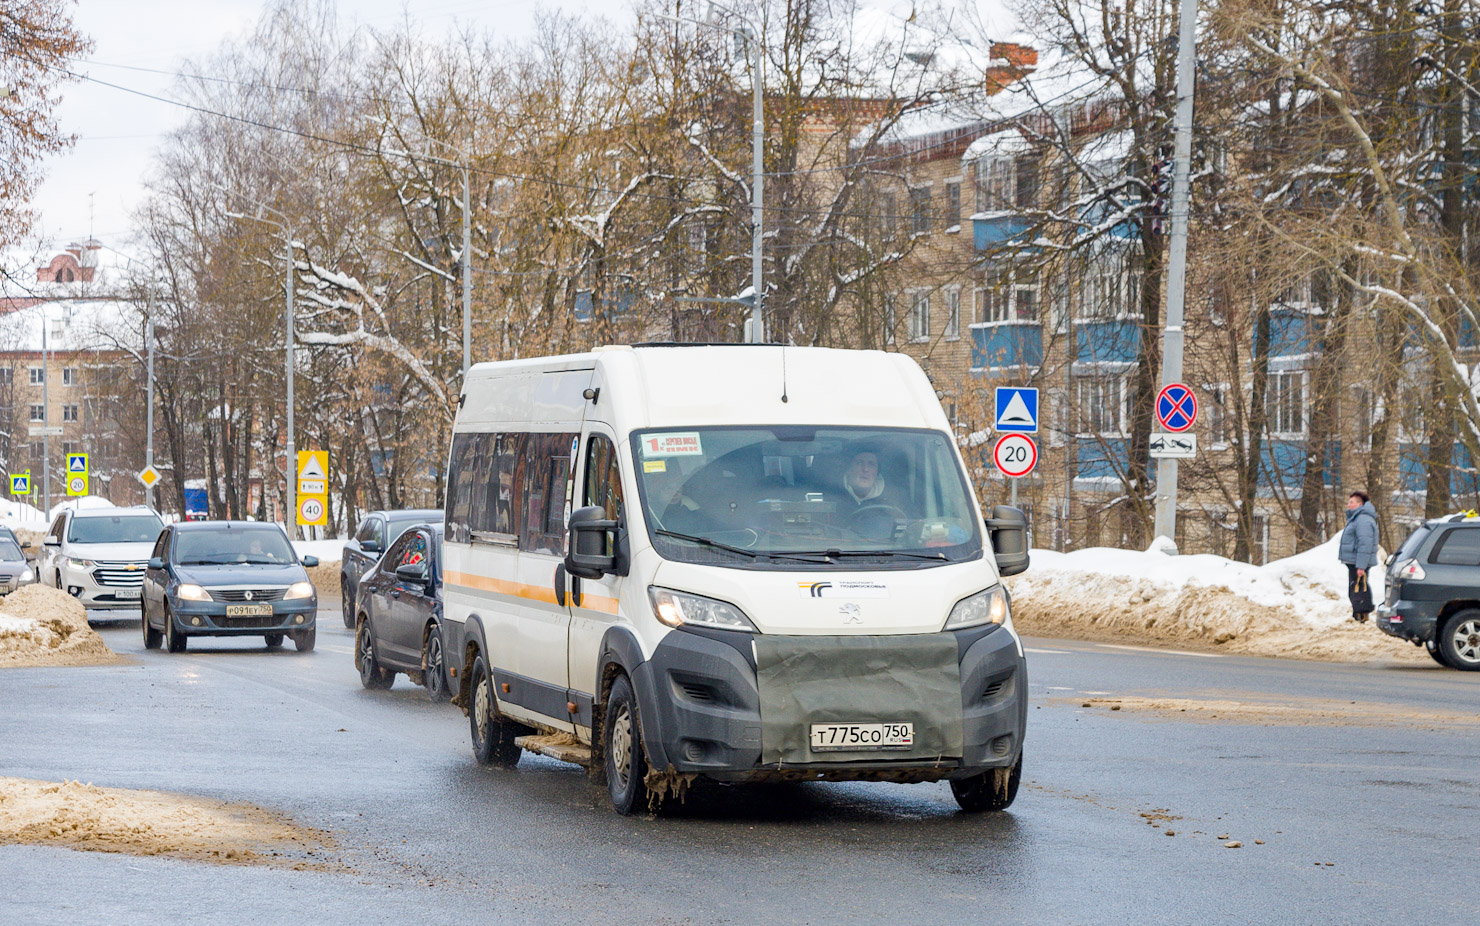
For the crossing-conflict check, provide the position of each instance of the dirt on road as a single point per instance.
(81, 816)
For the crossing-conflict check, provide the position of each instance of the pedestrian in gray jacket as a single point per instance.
(1359, 552)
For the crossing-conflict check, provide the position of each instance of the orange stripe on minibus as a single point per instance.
(543, 593)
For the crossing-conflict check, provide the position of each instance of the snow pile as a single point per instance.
(46, 627)
(328, 551)
(1294, 607)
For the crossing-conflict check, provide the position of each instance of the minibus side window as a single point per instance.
(507, 487)
(603, 479)
(460, 483)
(547, 475)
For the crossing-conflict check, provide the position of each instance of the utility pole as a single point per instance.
(1171, 344)
(45, 417)
(149, 411)
(757, 179)
(290, 518)
(467, 274)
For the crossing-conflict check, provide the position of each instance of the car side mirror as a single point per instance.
(51, 542)
(310, 561)
(592, 534)
(1008, 530)
(156, 563)
(25, 544)
(412, 572)
(370, 546)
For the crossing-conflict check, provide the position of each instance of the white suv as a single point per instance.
(98, 555)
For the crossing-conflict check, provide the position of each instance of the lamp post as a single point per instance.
(756, 331)
(290, 517)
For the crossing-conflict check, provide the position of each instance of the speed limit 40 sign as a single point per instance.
(1015, 455)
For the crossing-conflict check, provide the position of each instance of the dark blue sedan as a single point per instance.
(398, 627)
(227, 579)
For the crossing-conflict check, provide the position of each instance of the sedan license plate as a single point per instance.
(838, 737)
(248, 610)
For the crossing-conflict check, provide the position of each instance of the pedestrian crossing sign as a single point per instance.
(20, 484)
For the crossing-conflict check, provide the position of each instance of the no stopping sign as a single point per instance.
(1015, 454)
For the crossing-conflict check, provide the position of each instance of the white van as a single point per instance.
(740, 562)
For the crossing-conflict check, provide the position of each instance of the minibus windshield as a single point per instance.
(788, 496)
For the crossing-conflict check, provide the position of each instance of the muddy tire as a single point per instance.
(994, 789)
(346, 602)
(1459, 640)
(433, 667)
(174, 640)
(1434, 650)
(274, 640)
(372, 674)
(493, 738)
(152, 638)
(622, 752)
(304, 640)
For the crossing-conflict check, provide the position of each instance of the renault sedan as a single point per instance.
(227, 579)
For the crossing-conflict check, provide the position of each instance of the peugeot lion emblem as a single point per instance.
(248, 595)
(851, 614)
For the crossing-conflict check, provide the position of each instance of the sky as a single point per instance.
(93, 188)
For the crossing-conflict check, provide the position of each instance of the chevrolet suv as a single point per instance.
(1433, 591)
(98, 555)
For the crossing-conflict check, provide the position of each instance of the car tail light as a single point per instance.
(1410, 570)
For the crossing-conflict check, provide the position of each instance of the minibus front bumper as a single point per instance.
(738, 707)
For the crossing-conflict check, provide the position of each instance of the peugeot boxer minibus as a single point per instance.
(736, 562)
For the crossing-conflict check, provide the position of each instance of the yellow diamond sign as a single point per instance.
(149, 476)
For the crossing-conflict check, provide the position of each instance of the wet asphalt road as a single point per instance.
(429, 836)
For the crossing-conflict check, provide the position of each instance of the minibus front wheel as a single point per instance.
(626, 765)
(994, 789)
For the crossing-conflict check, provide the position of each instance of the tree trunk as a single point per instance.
(1324, 406)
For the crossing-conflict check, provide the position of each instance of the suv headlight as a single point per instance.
(989, 607)
(299, 590)
(79, 563)
(190, 592)
(678, 608)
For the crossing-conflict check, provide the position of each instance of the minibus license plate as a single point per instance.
(248, 610)
(836, 737)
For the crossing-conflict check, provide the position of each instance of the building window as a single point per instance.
(953, 313)
(1111, 287)
(920, 210)
(1099, 401)
(69, 447)
(953, 204)
(889, 319)
(7, 376)
(1008, 295)
(69, 376)
(889, 210)
(69, 413)
(1216, 409)
(38, 412)
(920, 316)
(1285, 403)
(1027, 168)
(993, 184)
(38, 376)
(38, 450)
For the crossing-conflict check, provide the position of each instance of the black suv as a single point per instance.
(1433, 591)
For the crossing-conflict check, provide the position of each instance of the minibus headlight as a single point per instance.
(988, 607)
(190, 592)
(299, 590)
(678, 608)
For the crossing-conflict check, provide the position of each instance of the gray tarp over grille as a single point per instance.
(894, 679)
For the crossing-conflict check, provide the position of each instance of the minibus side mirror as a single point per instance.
(51, 542)
(25, 544)
(1008, 529)
(591, 536)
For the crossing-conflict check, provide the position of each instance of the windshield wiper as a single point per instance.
(837, 554)
(705, 541)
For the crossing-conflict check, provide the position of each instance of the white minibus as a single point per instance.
(734, 562)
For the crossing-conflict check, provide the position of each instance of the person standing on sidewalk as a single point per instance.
(1359, 552)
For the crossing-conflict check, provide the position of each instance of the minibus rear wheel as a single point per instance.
(621, 740)
(994, 789)
(493, 739)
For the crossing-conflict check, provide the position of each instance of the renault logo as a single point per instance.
(248, 595)
(851, 613)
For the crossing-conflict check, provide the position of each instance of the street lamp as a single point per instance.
(290, 519)
(752, 36)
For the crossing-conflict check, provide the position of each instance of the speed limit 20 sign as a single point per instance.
(1015, 455)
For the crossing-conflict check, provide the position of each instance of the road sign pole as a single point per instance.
(1012, 500)
(149, 492)
(1171, 349)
